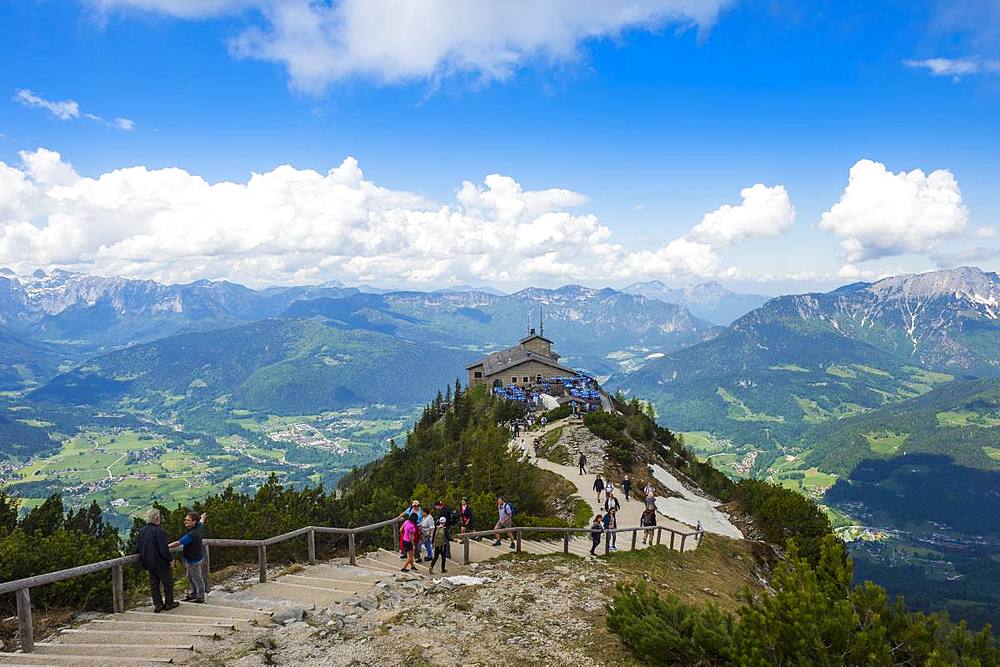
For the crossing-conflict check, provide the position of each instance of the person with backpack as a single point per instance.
(439, 540)
(648, 520)
(193, 556)
(596, 529)
(504, 522)
(599, 487)
(449, 521)
(611, 502)
(410, 534)
(583, 464)
(611, 524)
(627, 487)
(465, 516)
(427, 526)
(155, 558)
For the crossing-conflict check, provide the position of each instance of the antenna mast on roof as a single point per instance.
(541, 323)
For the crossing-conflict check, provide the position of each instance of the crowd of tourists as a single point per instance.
(422, 529)
(608, 521)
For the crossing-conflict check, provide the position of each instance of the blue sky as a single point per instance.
(657, 122)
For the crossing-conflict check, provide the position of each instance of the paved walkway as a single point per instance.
(628, 515)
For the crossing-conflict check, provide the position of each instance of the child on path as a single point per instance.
(409, 534)
(439, 544)
(596, 529)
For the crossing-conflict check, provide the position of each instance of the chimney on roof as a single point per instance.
(531, 332)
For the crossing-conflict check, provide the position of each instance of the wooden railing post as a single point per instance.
(634, 533)
(518, 541)
(672, 536)
(118, 589)
(206, 568)
(607, 542)
(351, 547)
(566, 542)
(262, 563)
(395, 536)
(24, 626)
(683, 540)
(465, 549)
(312, 547)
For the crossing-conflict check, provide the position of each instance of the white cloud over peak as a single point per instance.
(403, 40)
(882, 213)
(764, 212)
(63, 110)
(67, 110)
(956, 67)
(298, 225)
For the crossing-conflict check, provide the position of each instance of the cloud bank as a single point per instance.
(292, 226)
(390, 41)
(882, 213)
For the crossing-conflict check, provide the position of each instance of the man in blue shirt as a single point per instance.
(193, 554)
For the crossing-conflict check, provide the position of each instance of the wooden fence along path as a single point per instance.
(576, 541)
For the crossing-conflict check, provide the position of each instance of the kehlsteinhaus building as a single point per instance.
(529, 362)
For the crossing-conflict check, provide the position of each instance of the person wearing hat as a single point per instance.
(443, 511)
(414, 508)
(440, 544)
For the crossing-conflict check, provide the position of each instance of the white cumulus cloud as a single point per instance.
(882, 213)
(299, 225)
(955, 67)
(399, 40)
(764, 212)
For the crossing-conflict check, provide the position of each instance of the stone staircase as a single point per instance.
(188, 633)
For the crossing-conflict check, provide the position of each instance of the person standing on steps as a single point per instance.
(193, 556)
(648, 520)
(449, 517)
(599, 487)
(596, 529)
(440, 542)
(426, 532)
(611, 524)
(414, 508)
(504, 522)
(409, 533)
(465, 516)
(155, 558)
(583, 464)
(627, 487)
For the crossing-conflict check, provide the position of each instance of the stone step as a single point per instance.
(211, 611)
(302, 594)
(337, 583)
(11, 660)
(155, 637)
(70, 660)
(150, 617)
(347, 573)
(178, 651)
(214, 605)
(115, 624)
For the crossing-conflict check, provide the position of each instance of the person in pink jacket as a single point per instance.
(409, 533)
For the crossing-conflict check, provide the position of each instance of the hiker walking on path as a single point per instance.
(413, 509)
(649, 489)
(193, 555)
(504, 522)
(648, 520)
(465, 516)
(583, 464)
(426, 532)
(599, 487)
(440, 542)
(596, 529)
(627, 487)
(611, 502)
(155, 558)
(409, 534)
(611, 524)
(609, 487)
(449, 520)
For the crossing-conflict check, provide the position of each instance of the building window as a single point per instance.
(525, 379)
(538, 378)
(478, 375)
(513, 380)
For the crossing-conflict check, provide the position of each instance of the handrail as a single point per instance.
(21, 587)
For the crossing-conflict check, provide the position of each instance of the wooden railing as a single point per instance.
(22, 587)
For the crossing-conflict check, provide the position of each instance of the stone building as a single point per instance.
(528, 362)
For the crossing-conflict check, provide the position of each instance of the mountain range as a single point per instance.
(709, 301)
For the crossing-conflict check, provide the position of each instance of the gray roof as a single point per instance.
(513, 356)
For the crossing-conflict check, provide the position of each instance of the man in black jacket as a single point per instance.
(155, 558)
